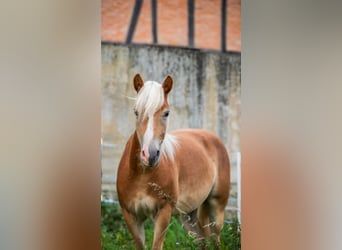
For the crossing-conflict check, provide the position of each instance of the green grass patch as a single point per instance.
(115, 235)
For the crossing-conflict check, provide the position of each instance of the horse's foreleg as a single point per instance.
(136, 227)
(161, 222)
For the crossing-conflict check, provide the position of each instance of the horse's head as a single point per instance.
(152, 112)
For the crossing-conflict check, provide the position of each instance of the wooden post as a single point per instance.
(134, 20)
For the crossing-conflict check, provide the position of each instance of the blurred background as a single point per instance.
(196, 42)
(50, 119)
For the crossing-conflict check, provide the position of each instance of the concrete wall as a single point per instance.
(206, 94)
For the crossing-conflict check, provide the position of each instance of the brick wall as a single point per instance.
(172, 23)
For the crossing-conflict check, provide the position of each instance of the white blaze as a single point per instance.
(148, 136)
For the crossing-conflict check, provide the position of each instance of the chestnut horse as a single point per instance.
(160, 174)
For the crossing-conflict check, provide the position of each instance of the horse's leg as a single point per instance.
(203, 219)
(136, 227)
(161, 222)
(190, 223)
(217, 219)
(211, 219)
(216, 216)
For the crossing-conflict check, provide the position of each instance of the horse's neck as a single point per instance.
(134, 153)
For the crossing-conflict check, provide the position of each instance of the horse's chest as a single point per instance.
(143, 205)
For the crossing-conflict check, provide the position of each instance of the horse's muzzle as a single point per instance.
(150, 157)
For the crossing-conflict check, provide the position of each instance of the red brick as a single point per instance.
(172, 23)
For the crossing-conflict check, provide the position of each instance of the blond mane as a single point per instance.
(150, 99)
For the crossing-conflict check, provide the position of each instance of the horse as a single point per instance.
(160, 174)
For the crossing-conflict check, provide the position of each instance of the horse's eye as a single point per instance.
(136, 113)
(166, 113)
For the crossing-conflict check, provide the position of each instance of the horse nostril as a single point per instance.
(158, 153)
(145, 156)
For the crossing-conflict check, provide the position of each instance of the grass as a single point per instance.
(115, 235)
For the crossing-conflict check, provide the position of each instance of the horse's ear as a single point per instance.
(167, 84)
(138, 82)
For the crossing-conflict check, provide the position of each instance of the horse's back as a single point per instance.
(203, 140)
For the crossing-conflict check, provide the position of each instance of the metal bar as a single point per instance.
(154, 21)
(134, 20)
(223, 24)
(238, 165)
(109, 145)
(191, 16)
